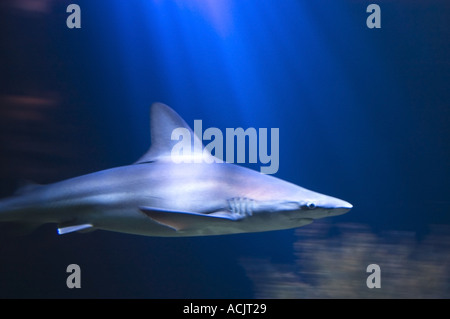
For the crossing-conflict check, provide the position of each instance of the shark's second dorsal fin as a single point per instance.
(163, 121)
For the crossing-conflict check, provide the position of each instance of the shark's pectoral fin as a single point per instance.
(74, 228)
(178, 220)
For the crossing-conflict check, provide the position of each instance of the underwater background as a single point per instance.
(363, 115)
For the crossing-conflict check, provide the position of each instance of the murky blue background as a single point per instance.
(364, 115)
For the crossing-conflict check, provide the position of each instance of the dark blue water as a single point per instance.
(363, 115)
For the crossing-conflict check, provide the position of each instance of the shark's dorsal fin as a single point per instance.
(163, 122)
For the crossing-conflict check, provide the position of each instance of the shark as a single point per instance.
(157, 196)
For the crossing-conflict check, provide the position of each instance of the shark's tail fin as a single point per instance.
(5, 211)
(10, 204)
(11, 220)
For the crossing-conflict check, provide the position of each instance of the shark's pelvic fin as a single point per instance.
(73, 228)
(163, 121)
(178, 220)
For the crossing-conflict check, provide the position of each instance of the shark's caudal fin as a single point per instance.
(12, 224)
(26, 187)
(163, 122)
(8, 205)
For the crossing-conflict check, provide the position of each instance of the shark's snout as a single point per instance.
(340, 207)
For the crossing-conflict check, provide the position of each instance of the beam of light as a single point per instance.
(295, 65)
